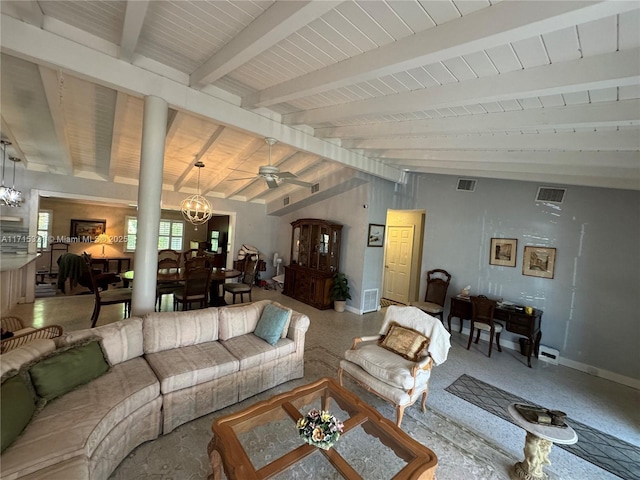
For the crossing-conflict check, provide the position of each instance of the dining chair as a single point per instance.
(196, 287)
(246, 280)
(482, 310)
(436, 294)
(171, 254)
(105, 296)
(191, 253)
(168, 264)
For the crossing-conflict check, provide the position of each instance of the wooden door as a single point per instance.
(397, 267)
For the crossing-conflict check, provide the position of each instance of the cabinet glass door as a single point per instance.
(295, 245)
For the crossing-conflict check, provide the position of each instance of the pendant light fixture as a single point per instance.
(4, 191)
(15, 195)
(196, 209)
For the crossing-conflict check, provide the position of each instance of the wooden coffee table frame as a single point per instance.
(226, 451)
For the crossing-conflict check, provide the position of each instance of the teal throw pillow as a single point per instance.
(271, 323)
(17, 406)
(67, 369)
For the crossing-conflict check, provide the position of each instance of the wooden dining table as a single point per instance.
(177, 275)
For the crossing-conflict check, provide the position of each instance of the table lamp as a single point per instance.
(103, 239)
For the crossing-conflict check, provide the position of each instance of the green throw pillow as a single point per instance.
(17, 406)
(271, 323)
(67, 369)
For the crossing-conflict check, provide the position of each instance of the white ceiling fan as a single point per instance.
(272, 174)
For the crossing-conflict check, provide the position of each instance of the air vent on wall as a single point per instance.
(315, 188)
(466, 184)
(370, 301)
(285, 200)
(550, 194)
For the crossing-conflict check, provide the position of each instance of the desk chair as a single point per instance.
(482, 310)
(104, 296)
(196, 287)
(246, 282)
(170, 263)
(436, 294)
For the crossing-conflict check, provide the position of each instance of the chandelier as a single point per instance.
(10, 197)
(196, 209)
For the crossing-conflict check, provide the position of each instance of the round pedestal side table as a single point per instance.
(538, 443)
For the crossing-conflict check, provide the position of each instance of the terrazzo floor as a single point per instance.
(602, 404)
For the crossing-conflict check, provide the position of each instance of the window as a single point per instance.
(170, 235)
(214, 240)
(45, 218)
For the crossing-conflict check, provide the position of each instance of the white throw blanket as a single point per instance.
(429, 326)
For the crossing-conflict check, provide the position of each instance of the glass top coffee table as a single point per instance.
(262, 441)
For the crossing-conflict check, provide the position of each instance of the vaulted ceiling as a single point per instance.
(524, 90)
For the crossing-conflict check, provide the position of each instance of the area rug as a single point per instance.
(599, 448)
(462, 454)
(385, 302)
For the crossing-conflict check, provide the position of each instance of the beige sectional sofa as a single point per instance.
(166, 369)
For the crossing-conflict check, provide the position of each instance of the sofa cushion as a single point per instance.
(184, 367)
(271, 323)
(68, 368)
(386, 366)
(17, 406)
(120, 341)
(241, 319)
(168, 330)
(76, 423)
(252, 350)
(25, 354)
(285, 330)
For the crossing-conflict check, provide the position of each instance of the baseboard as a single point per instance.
(591, 370)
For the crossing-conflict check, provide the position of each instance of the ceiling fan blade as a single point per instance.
(287, 175)
(272, 182)
(297, 182)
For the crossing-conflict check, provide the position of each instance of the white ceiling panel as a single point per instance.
(323, 82)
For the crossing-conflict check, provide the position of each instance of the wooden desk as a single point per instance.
(218, 276)
(236, 447)
(104, 261)
(515, 322)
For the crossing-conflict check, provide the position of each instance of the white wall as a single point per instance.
(591, 306)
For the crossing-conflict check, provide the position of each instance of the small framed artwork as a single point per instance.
(87, 228)
(376, 235)
(503, 252)
(539, 261)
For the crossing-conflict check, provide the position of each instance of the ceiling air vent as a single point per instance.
(286, 200)
(315, 188)
(550, 195)
(466, 184)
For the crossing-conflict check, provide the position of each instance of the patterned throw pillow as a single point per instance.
(404, 341)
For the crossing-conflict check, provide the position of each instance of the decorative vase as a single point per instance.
(338, 305)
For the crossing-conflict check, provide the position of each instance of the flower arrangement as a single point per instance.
(320, 428)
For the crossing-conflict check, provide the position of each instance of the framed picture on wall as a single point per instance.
(87, 228)
(539, 261)
(503, 252)
(376, 235)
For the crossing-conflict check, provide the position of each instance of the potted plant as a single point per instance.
(340, 292)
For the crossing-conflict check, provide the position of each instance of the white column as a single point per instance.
(154, 128)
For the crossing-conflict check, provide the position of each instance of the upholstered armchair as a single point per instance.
(377, 363)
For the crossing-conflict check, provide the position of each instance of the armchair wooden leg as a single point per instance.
(498, 341)
(340, 377)
(423, 403)
(477, 336)
(470, 336)
(96, 314)
(399, 414)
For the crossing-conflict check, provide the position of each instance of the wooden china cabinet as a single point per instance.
(315, 258)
